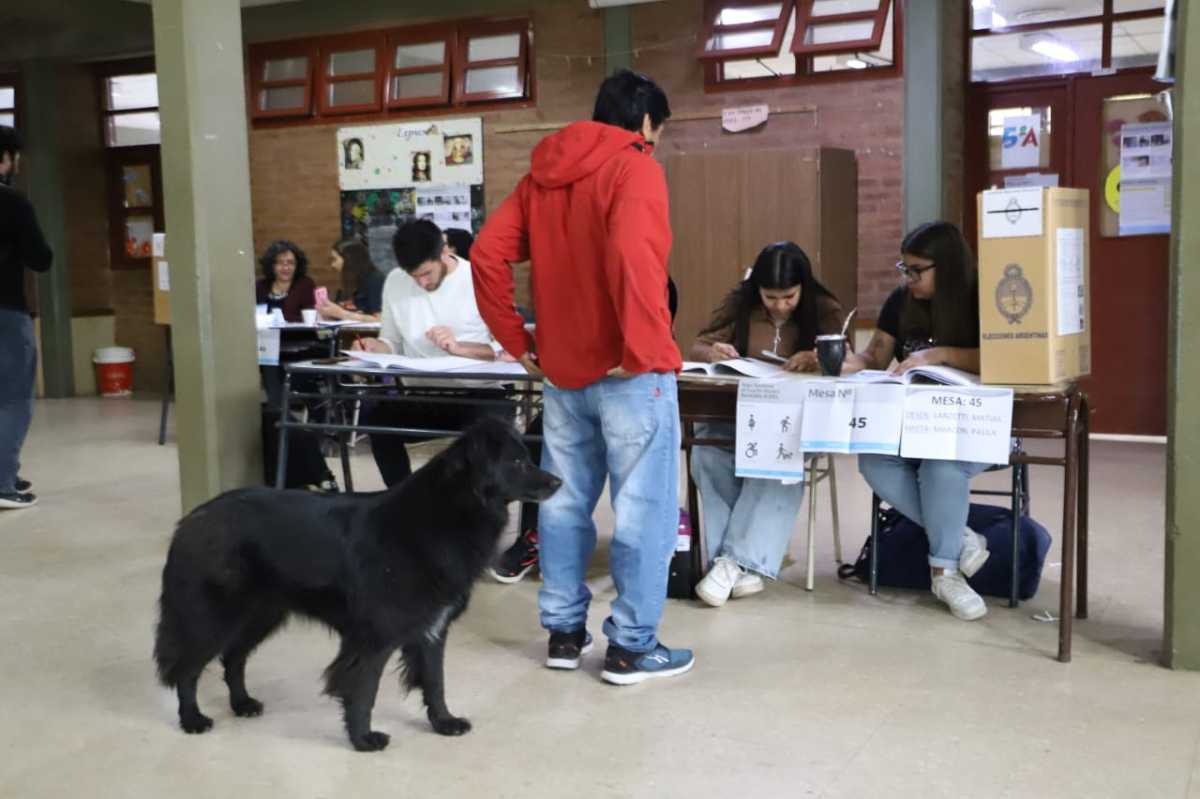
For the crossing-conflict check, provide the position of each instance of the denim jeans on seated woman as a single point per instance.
(748, 520)
(625, 430)
(934, 494)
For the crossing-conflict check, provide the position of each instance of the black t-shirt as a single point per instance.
(921, 339)
(22, 246)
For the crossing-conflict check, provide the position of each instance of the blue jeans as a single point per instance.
(934, 494)
(628, 431)
(18, 365)
(746, 520)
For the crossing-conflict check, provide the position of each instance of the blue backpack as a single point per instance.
(904, 553)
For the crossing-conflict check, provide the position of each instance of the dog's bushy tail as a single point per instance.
(167, 646)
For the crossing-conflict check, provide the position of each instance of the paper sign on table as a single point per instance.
(878, 419)
(268, 347)
(828, 416)
(959, 424)
(768, 429)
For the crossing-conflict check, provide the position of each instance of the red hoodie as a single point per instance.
(591, 217)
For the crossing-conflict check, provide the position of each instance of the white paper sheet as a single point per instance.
(1010, 213)
(960, 424)
(768, 429)
(158, 244)
(1071, 289)
(164, 276)
(268, 347)
(1048, 179)
(1021, 142)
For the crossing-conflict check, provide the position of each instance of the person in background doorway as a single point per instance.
(592, 218)
(779, 309)
(933, 319)
(459, 241)
(22, 246)
(285, 283)
(360, 298)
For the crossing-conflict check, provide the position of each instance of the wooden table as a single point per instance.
(1059, 413)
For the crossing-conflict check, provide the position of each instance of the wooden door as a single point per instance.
(1129, 274)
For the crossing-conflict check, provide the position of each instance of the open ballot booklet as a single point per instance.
(734, 367)
(945, 375)
(446, 363)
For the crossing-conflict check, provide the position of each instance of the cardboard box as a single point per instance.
(160, 281)
(1034, 281)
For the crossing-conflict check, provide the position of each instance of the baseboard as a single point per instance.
(1132, 439)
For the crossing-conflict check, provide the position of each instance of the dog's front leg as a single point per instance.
(354, 679)
(433, 686)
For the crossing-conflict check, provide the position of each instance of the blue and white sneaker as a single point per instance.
(622, 667)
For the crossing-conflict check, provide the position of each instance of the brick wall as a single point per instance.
(866, 116)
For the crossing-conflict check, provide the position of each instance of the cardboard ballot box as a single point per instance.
(1034, 311)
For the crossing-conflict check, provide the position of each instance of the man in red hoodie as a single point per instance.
(591, 217)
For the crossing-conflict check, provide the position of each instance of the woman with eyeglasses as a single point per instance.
(775, 314)
(933, 319)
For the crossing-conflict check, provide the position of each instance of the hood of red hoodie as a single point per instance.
(577, 151)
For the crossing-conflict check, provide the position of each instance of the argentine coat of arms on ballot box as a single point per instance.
(1014, 295)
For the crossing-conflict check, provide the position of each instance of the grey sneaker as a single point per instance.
(964, 603)
(974, 553)
(623, 667)
(16, 500)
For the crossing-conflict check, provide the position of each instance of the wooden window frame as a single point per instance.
(714, 81)
(12, 80)
(713, 9)
(117, 159)
(805, 20)
(420, 35)
(113, 69)
(258, 55)
(1106, 19)
(462, 65)
(329, 46)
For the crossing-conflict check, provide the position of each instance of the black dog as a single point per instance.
(387, 571)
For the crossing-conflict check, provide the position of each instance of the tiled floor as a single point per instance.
(831, 693)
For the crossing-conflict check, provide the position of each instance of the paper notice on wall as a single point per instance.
(158, 245)
(268, 346)
(410, 154)
(736, 120)
(1049, 180)
(1021, 142)
(957, 424)
(1009, 213)
(1145, 187)
(1072, 305)
(164, 276)
(445, 206)
(768, 429)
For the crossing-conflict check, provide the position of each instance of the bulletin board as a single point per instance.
(392, 174)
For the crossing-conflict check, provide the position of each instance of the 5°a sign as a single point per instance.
(1021, 142)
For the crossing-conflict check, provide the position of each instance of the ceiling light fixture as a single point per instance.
(856, 63)
(1053, 48)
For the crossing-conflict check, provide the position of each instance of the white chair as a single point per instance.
(821, 467)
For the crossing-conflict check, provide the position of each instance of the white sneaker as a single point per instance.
(749, 583)
(718, 584)
(974, 553)
(951, 588)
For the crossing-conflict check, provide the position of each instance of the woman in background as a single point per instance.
(779, 309)
(285, 283)
(360, 299)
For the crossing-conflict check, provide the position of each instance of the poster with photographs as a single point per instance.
(374, 214)
(439, 152)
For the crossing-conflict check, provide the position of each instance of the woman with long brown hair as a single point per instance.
(360, 298)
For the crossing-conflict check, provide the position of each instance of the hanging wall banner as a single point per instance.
(438, 152)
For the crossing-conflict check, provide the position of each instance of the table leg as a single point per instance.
(167, 391)
(873, 574)
(1081, 589)
(1066, 604)
(693, 500)
(281, 461)
(1018, 512)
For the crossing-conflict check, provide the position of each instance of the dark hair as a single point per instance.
(626, 97)
(672, 297)
(781, 265)
(346, 147)
(10, 141)
(356, 264)
(417, 242)
(277, 248)
(461, 240)
(951, 318)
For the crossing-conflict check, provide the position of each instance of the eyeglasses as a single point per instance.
(913, 273)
